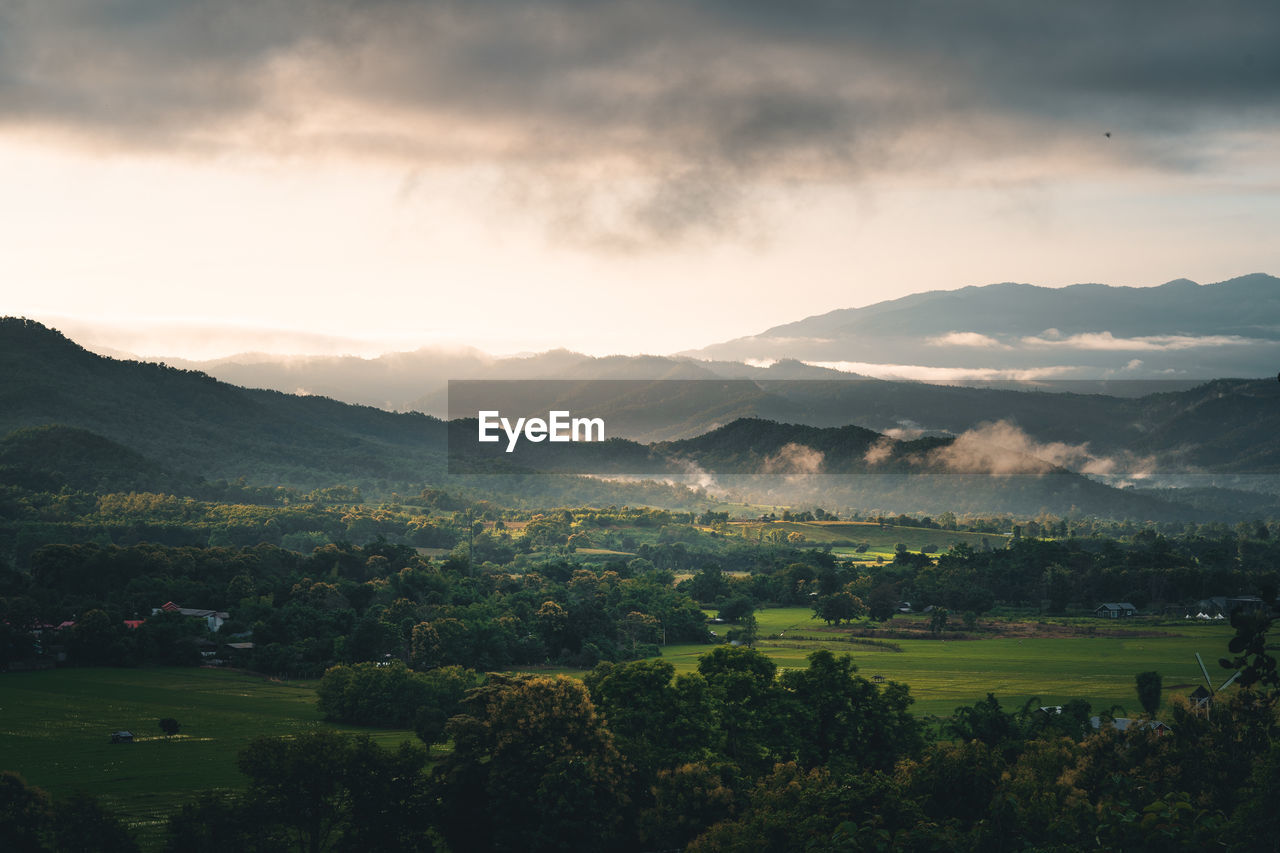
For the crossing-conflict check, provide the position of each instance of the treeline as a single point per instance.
(341, 603)
(239, 515)
(236, 515)
(1052, 576)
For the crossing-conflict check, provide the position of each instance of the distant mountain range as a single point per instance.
(1116, 340)
(783, 432)
(1179, 329)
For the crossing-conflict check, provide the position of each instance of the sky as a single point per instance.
(200, 177)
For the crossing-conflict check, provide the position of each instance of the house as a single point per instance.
(213, 618)
(1124, 724)
(1224, 605)
(122, 737)
(1115, 610)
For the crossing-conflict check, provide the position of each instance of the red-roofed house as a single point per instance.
(213, 618)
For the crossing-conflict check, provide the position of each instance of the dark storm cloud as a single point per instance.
(651, 95)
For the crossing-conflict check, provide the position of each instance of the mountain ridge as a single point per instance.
(1179, 330)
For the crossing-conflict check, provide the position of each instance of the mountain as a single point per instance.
(1087, 338)
(48, 458)
(1216, 433)
(1179, 329)
(773, 463)
(129, 425)
(183, 420)
(417, 381)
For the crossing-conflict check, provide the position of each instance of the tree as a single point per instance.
(685, 801)
(743, 683)
(439, 698)
(218, 821)
(883, 601)
(79, 823)
(1251, 653)
(1149, 686)
(96, 639)
(326, 790)
(938, 621)
(736, 608)
(24, 814)
(707, 586)
(838, 607)
(169, 726)
(533, 768)
(983, 721)
(637, 626)
(797, 809)
(657, 724)
(843, 720)
(425, 649)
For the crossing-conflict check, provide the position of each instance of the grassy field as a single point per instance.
(883, 541)
(944, 674)
(54, 725)
(54, 729)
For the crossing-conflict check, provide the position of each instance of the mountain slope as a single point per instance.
(184, 420)
(49, 458)
(1227, 329)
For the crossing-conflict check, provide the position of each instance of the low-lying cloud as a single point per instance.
(794, 460)
(880, 451)
(1106, 341)
(1002, 449)
(929, 373)
(967, 339)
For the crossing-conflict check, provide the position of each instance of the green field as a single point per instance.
(55, 725)
(883, 541)
(944, 674)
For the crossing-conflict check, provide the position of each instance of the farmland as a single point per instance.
(56, 726)
(56, 723)
(944, 674)
(882, 540)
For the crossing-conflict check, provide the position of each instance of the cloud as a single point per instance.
(906, 430)
(694, 474)
(1105, 341)
(1002, 449)
(794, 459)
(967, 339)
(648, 121)
(927, 373)
(879, 451)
